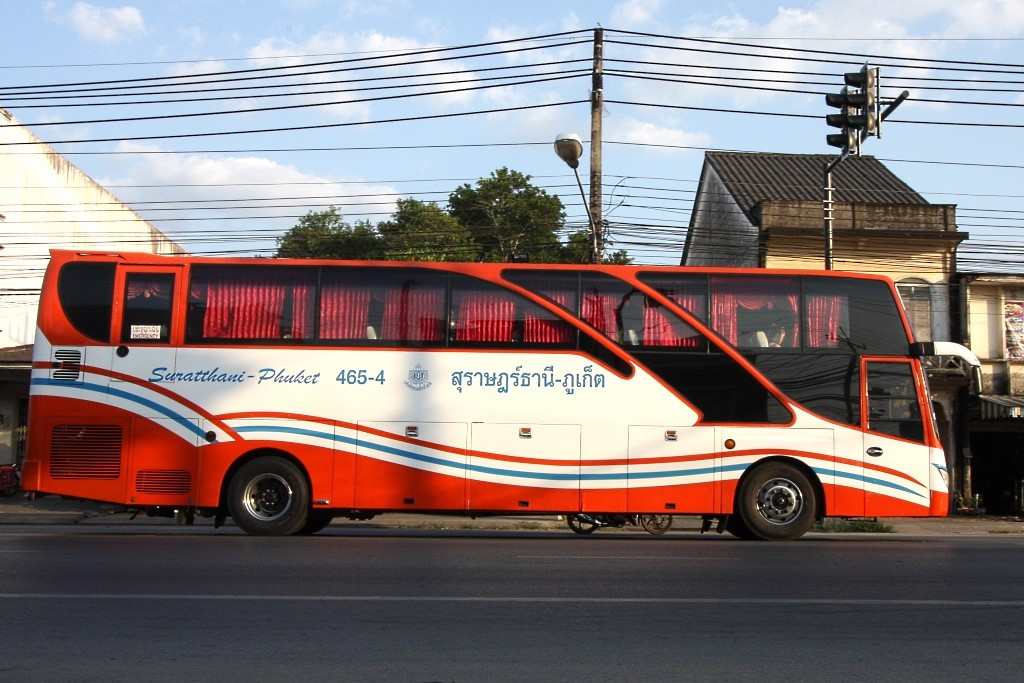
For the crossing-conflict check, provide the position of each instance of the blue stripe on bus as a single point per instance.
(99, 388)
(568, 476)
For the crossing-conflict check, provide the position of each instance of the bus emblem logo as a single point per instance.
(419, 378)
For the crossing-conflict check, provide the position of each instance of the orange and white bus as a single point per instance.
(283, 393)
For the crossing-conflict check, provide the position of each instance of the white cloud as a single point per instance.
(369, 44)
(192, 34)
(270, 179)
(632, 13)
(103, 24)
(645, 132)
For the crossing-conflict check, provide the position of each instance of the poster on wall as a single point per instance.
(1013, 320)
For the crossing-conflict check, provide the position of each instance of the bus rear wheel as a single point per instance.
(776, 501)
(315, 523)
(269, 496)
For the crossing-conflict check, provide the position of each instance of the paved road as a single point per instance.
(174, 604)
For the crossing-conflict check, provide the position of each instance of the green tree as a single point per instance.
(509, 217)
(579, 248)
(420, 231)
(325, 234)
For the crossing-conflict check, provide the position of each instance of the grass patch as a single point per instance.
(853, 526)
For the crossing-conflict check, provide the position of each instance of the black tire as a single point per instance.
(735, 526)
(581, 525)
(776, 501)
(269, 496)
(316, 523)
(656, 524)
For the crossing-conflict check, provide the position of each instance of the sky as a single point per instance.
(60, 41)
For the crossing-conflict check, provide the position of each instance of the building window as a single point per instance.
(917, 302)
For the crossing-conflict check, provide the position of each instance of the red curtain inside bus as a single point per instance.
(778, 300)
(252, 306)
(484, 317)
(824, 314)
(542, 327)
(414, 314)
(664, 329)
(344, 312)
(598, 310)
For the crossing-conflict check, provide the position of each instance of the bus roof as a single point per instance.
(144, 258)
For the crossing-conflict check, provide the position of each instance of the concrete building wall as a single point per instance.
(720, 233)
(46, 202)
(986, 329)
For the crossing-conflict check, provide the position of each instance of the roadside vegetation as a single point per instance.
(853, 526)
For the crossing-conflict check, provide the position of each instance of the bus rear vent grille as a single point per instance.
(163, 481)
(68, 365)
(85, 451)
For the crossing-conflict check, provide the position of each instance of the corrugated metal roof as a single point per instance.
(1001, 407)
(753, 177)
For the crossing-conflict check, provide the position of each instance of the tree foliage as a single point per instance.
(509, 217)
(325, 234)
(502, 218)
(419, 231)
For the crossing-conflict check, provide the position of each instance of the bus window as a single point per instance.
(827, 383)
(855, 316)
(483, 313)
(560, 287)
(689, 292)
(412, 306)
(260, 304)
(86, 293)
(756, 312)
(147, 308)
(892, 401)
(349, 310)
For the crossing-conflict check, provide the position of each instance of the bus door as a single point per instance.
(146, 319)
(164, 449)
(671, 469)
(895, 456)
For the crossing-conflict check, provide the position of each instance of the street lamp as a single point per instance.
(569, 148)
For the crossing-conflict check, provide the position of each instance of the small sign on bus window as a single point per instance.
(146, 332)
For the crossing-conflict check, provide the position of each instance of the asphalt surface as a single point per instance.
(120, 603)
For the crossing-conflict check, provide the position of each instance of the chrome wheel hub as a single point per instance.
(779, 501)
(267, 497)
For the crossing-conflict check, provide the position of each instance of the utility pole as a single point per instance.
(596, 105)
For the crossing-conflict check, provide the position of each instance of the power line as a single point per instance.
(572, 73)
(762, 88)
(268, 86)
(263, 69)
(283, 107)
(818, 60)
(890, 84)
(812, 51)
(903, 77)
(401, 119)
(976, 124)
(205, 60)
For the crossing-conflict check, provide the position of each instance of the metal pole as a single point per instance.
(828, 217)
(596, 105)
(590, 217)
(828, 206)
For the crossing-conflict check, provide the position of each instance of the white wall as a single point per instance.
(48, 203)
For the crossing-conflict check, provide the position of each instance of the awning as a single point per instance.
(1001, 407)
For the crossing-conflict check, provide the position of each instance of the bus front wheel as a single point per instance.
(269, 496)
(776, 501)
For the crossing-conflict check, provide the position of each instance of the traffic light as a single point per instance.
(867, 81)
(847, 119)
